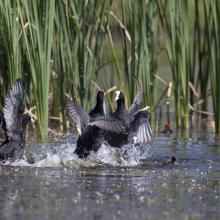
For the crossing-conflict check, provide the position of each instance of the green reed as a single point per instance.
(175, 20)
(212, 11)
(82, 30)
(201, 57)
(62, 49)
(138, 28)
(79, 29)
(37, 19)
(148, 46)
(10, 32)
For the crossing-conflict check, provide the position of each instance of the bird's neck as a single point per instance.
(99, 107)
(121, 110)
(120, 106)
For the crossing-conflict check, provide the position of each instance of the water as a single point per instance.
(131, 183)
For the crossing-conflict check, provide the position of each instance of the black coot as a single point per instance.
(14, 121)
(26, 119)
(130, 125)
(81, 117)
(118, 128)
(90, 140)
(94, 133)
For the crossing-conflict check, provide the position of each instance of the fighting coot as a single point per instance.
(26, 119)
(117, 129)
(116, 126)
(14, 121)
(81, 117)
(128, 125)
(121, 119)
(93, 135)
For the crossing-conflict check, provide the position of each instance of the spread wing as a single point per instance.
(13, 110)
(137, 99)
(140, 127)
(109, 124)
(144, 133)
(78, 115)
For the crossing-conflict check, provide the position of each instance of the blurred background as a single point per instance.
(71, 49)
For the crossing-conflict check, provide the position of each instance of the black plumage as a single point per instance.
(117, 126)
(3, 124)
(120, 120)
(14, 121)
(98, 110)
(90, 140)
(81, 117)
(95, 132)
(117, 129)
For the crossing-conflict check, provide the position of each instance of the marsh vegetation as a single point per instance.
(63, 49)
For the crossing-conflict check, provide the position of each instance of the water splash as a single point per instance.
(63, 155)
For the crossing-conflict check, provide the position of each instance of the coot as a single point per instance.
(121, 119)
(94, 133)
(116, 126)
(14, 121)
(81, 117)
(26, 119)
(117, 129)
(123, 125)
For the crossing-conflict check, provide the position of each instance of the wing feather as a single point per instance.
(109, 124)
(137, 99)
(78, 115)
(143, 133)
(13, 110)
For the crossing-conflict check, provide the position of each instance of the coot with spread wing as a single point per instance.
(117, 129)
(14, 121)
(81, 117)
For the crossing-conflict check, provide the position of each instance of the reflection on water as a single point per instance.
(132, 183)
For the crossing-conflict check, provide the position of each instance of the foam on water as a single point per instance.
(63, 155)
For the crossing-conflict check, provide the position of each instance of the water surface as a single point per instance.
(126, 184)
